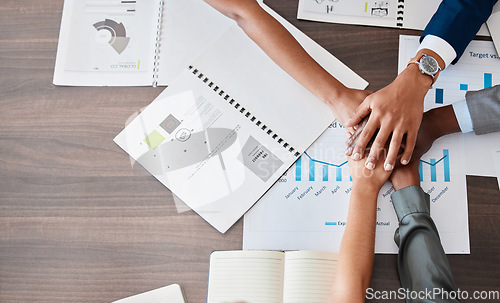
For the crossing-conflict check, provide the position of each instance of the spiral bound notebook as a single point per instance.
(130, 42)
(227, 128)
(408, 14)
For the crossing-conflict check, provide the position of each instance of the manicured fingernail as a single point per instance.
(370, 165)
(404, 162)
(388, 167)
(356, 156)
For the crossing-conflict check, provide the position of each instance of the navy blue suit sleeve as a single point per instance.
(458, 21)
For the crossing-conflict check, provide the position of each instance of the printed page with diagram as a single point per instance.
(409, 14)
(245, 121)
(208, 149)
(107, 43)
(375, 13)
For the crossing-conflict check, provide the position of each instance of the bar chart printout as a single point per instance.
(464, 87)
(307, 208)
(478, 68)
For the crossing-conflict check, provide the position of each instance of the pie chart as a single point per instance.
(115, 32)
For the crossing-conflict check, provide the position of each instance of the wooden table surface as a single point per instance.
(78, 223)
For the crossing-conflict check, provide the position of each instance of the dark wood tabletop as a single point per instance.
(79, 223)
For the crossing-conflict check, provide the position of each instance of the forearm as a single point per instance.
(357, 248)
(442, 120)
(458, 22)
(282, 48)
(484, 108)
(422, 262)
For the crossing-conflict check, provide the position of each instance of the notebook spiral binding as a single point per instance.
(243, 110)
(401, 11)
(156, 58)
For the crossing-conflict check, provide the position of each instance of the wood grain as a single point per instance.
(79, 223)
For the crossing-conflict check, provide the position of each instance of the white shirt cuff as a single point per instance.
(463, 116)
(440, 47)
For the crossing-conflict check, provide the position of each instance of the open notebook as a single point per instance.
(271, 276)
(225, 129)
(132, 43)
(409, 14)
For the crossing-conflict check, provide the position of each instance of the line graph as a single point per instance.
(312, 169)
(432, 163)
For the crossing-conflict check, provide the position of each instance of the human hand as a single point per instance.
(395, 111)
(436, 123)
(406, 175)
(370, 180)
(345, 104)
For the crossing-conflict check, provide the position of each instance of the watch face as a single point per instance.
(429, 65)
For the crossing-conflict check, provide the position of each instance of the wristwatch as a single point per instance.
(428, 65)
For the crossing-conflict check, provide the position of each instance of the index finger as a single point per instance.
(353, 138)
(364, 138)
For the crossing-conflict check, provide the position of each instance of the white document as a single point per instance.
(111, 44)
(478, 68)
(410, 14)
(307, 207)
(202, 149)
(168, 294)
(223, 132)
(495, 154)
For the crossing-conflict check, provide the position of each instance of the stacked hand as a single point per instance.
(345, 104)
(394, 115)
(435, 123)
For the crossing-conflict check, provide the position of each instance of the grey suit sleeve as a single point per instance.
(422, 262)
(484, 108)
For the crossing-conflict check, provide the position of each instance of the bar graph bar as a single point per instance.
(439, 92)
(433, 167)
(439, 96)
(339, 173)
(421, 171)
(488, 80)
(298, 169)
(311, 170)
(433, 170)
(446, 164)
(325, 172)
